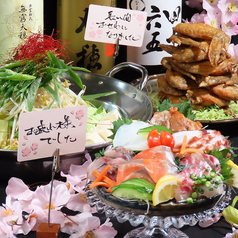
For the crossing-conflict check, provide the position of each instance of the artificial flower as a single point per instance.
(221, 14)
(232, 235)
(18, 189)
(25, 209)
(210, 221)
(79, 202)
(229, 10)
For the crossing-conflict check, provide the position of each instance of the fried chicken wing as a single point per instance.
(167, 88)
(200, 66)
(227, 92)
(219, 39)
(185, 40)
(177, 80)
(204, 97)
(185, 53)
(205, 68)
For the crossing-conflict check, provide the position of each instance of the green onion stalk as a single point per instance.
(24, 84)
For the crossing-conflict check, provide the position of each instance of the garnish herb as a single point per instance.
(117, 124)
(184, 107)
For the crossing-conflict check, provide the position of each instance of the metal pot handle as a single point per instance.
(123, 65)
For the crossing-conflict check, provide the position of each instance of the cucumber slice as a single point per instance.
(139, 182)
(132, 192)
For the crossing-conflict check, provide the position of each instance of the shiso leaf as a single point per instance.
(117, 124)
(184, 107)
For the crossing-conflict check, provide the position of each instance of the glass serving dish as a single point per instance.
(163, 220)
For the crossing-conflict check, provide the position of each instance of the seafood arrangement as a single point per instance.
(200, 68)
(177, 165)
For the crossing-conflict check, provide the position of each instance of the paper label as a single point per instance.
(109, 24)
(42, 132)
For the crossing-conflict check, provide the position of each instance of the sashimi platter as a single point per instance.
(169, 166)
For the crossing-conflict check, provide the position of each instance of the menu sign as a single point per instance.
(42, 132)
(111, 24)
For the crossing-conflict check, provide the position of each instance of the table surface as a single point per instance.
(217, 230)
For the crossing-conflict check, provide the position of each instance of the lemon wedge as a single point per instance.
(165, 189)
(234, 170)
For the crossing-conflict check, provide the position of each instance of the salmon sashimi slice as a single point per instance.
(140, 173)
(125, 170)
(158, 161)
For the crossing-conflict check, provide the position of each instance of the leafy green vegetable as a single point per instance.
(184, 107)
(97, 95)
(117, 124)
(212, 112)
(100, 153)
(150, 128)
(222, 156)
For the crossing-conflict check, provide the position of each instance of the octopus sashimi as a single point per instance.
(205, 140)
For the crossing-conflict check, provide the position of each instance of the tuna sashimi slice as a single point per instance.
(185, 188)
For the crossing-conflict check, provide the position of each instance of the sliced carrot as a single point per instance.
(105, 179)
(192, 150)
(100, 176)
(184, 148)
(109, 190)
(184, 144)
(93, 185)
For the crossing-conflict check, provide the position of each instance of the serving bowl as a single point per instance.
(130, 101)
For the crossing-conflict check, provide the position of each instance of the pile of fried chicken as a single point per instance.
(200, 69)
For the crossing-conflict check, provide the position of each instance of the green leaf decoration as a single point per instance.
(230, 213)
(117, 124)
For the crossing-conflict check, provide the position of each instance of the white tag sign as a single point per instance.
(42, 132)
(109, 24)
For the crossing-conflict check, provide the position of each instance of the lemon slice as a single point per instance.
(234, 170)
(165, 189)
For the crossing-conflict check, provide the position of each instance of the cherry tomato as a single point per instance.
(163, 138)
(153, 138)
(167, 139)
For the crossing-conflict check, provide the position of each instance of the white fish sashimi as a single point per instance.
(127, 136)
